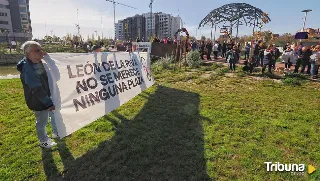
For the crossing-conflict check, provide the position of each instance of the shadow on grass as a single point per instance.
(50, 168)
(163, 142)
(267, 75)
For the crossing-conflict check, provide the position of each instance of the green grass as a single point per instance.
(187, 127)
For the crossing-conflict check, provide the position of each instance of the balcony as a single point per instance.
(12, 34)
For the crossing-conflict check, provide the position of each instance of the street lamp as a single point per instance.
(305, 17)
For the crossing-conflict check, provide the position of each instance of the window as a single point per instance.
(3, 14)
(4, 22)
(23, 9)
(22, 1)
(4, 6)
(24, 17)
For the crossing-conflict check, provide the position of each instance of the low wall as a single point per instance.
(160, 49)
(7, 59)
(157, 49)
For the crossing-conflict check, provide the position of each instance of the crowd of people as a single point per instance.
(259, 54)
(304, 56)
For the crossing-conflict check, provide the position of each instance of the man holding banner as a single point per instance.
(36, 90)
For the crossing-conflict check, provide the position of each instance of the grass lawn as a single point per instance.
(193, 125)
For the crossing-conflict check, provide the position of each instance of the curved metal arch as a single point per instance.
(234, 12)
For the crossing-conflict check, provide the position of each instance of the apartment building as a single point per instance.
(134, 27)
(175, 24)
(119, 30)
(152, 27)
(140, 26)
(15, 22)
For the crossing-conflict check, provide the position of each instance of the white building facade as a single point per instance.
(175, 24)
(15, 23)
(5, 16)
(119, 31)
(163, 25)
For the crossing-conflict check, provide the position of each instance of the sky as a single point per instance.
(58, 17)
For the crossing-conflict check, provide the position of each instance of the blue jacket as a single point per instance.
(35, 83)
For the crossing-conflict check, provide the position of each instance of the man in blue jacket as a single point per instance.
(36, 89)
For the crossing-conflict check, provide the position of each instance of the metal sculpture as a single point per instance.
(182, 30)
(236, 14)
(182, 46)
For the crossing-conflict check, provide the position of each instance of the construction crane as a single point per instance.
(150, 6)
(114, 11)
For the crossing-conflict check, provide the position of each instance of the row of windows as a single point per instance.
(23, 9)
(24, 17)
(4, 22)
(3, 14)
(22, 1)
(4, 6)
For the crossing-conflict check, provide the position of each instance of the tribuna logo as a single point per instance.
(279, 167)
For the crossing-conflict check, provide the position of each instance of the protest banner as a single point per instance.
(85, 87)
(143, 47)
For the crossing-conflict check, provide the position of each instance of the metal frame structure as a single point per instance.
(151, 16)
(114, 16)
(236, 14)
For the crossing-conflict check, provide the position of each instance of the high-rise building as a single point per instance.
(164, 29)
(5, 20)
(151, 29)
(163, 25)
(175, 24)
(134, 27)
(139, 26)
(15, 22)
(119, 30)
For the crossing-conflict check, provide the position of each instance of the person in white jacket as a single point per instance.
(294, 56)
(315, 62)
(287, 56)
(215, 50)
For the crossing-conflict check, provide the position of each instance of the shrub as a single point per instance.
(292, 81)
(3, 48)
(295, 75)
(193, 59)
(217, 65)
(222, 71)
(164, 62)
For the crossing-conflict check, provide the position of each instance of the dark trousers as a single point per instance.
(251, 67)
(232, 65)
(224, 53)
(274, 65)
(215, 53)
(209, 55)
(261, 59)
(246, 55)
(297, 66)
(256, 60)
(288, 65)
(269, 67)
(304, 64)
(202, 54)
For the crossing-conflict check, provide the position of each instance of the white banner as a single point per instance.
(143, 47)
(85, 87)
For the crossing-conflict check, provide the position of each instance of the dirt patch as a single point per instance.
(190, 73)
(277, 81)
(207, 74)
(230, 75)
